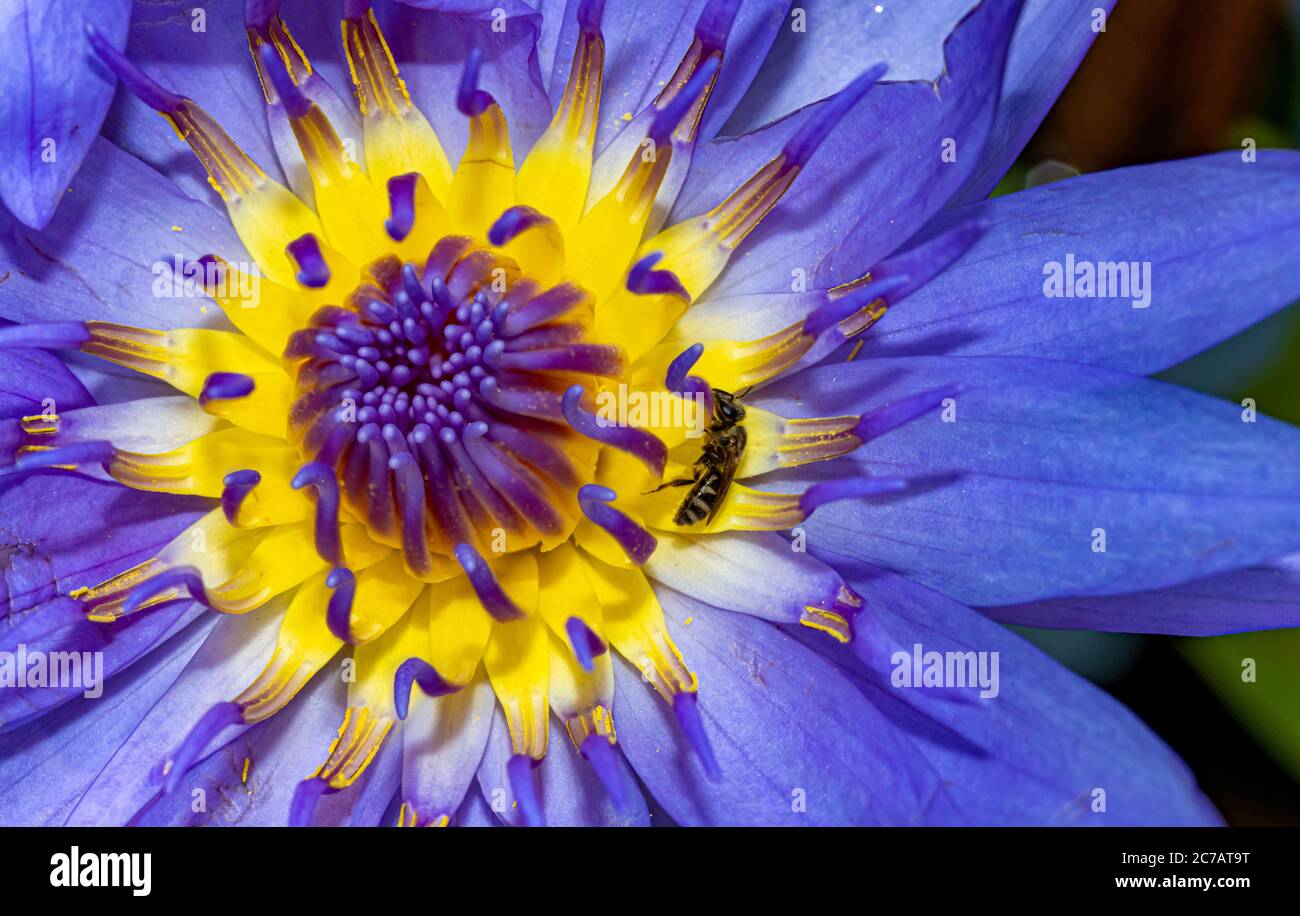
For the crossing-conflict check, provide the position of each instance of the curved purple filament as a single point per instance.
(829, 491)
(636, 542)
(338, 613)
(184, 577)
(236, 487)
(401, 205)
(305, 251)
(418, 672)
(329, 541)
(687, 711)
(211, 724)
(519, 769)
(644, 280)
(644, 446)
(490, 593)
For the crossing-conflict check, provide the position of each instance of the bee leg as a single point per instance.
(680, 482)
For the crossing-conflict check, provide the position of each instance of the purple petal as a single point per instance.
(839, 38)
(797, 743)
(45, 766)
(1259, 598)
(443, 744)
(1050, 42)
(1208, 247)
(230, 658)
(1035, 754)
(877, 179)
(110, 250)
(55, 98)
(1011, 501)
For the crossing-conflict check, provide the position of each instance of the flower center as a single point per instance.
(434, 399)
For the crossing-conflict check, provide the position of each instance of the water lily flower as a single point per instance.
(583, 412)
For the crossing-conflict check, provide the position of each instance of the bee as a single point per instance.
(716, 466)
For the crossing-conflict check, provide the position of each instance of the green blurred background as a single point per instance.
(1170, 79)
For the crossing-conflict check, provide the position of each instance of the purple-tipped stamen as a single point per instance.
(401, 205)
(305, 799)
(305, 251)
(95, 452)
(329, 542)
(338, 613)
(186, 578)
(667, 118)
(235, 489)
(514, 223)
(519, 769)
(932, 257)
(295, 103)
(259, 13)
(225, 386)
(827, 316)
(355, 9)
(636, 542)
(48, 335)
(686, 709)
(590, 13)
(472, 101)
(894, 415)
(715, 22)
(212, 723)
(817, 128)
(410, 504)
(490, 593)
(585, 643)
(677, 378)
(829, 491)
(644, 280)
(598, 751)
(644, 446)
(418, 671)
(132, 77)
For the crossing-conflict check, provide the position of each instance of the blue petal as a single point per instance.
(281, 752)
(1011, 500)
(1037, 752)
(430, 40)
(1050, 42)
(60, 532)
(876, 180)
(798, 744)
(1221, 238)
(475, 811)
(1259, 598)
(55, 97)
(839, 39)
(570, 793)
(230, 658)
(210, 65)
(107, 247)
(61, 626)
(46, 765)
(443, 745)
(32, 383)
